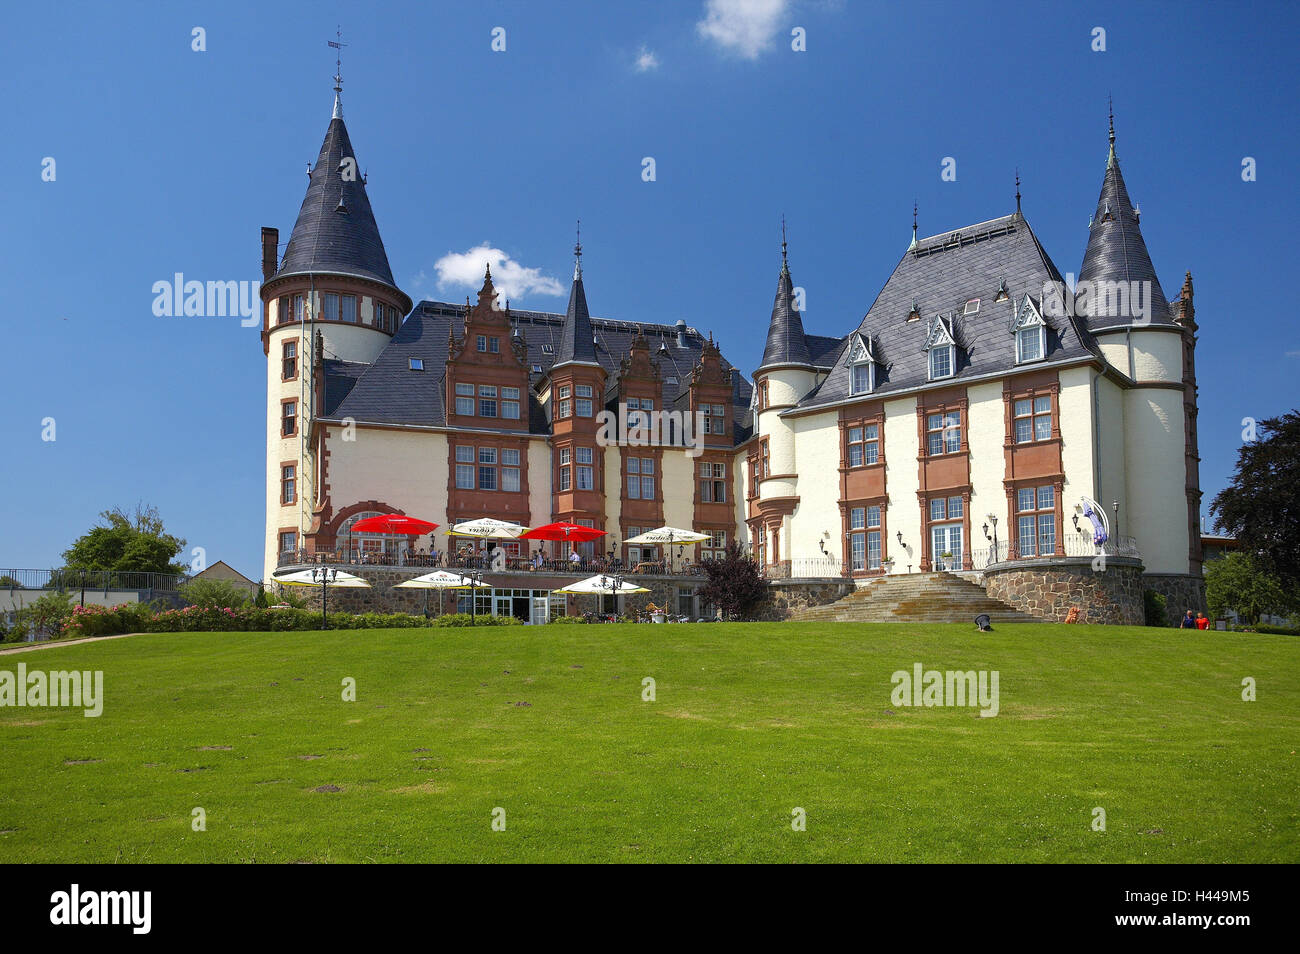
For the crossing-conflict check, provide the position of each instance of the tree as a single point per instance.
(735, 584)
(218, 594)
(1260, 506)
(128, 542)
(1241, 583)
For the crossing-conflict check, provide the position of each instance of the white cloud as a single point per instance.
(646, 61)
(744, 27)
(513, 280)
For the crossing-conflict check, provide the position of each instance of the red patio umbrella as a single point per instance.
(397, 523)
(570, 532)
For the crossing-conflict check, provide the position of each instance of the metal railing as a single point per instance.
(70, 579)
(805, 568)
(1074, 545)
(586, 566)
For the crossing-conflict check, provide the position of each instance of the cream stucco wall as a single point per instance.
(679, 489)
(817, 439)
(1076, 439)
(1157, 356)
(900, 478)
(280, 449)
(539, 482)
(1111, 468)
(1155, 475)
(986, 435)
(406, 469)
(613, 492)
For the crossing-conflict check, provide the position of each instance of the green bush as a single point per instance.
(1154, 608)
(48, 615)
(1277, 630)
(214, 593)
(568, 619)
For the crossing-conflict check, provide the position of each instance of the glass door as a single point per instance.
(946, 538)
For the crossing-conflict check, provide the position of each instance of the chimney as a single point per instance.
(270, 246)
(681, 332)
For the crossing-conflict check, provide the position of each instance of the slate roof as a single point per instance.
(325, 239)
(576, 337)
(939, 275)
(1116, 251)
(388, 392)
(786, 343)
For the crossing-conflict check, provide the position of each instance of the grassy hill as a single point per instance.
(749, 722)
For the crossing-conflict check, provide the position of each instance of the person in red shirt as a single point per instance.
(1202, 622)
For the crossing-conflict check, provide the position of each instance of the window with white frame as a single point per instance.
(510, 403)
(586, 473)
(1031, 333)
(565, 401)
(1036, 520)
(714, 548)
(566, 473)
(487, 400)
(863, 442)
(510, 469)
(862, 366)
(640, 478)
(941, 361)
(1033, 418)
(465, 474)
(487, 468)
(465, 399)
(943, 433)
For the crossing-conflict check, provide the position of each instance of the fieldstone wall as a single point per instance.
(1181, 591)
(790, 595)
(1048, 588)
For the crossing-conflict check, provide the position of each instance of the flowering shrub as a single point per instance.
(466, 619)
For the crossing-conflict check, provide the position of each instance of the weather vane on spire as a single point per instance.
(577, 254)
(1017, 188)
(913, 245)
(338, 45)
(783, 243)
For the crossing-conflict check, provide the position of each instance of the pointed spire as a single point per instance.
(1116, 251)
(785, 338)
(913, 245)
(338, 45)
(577, 339)
(1111, 158)
(1018, 212)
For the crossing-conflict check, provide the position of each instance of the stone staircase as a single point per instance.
(915, 598)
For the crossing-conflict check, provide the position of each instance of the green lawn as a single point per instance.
(750, 721)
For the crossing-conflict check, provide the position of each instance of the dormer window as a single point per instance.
(915, 313)
(415, 364)
(972, 307)
(941, 361)
(942, 347)
(1002, 294)
(862, 366)
(548, 349)
(1031, 333)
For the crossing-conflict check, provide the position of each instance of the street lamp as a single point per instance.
(1114, 506)
(473, 579)
(324, 576)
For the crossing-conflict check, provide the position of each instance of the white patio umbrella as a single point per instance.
(486, 527)
(669, 537)
(323, 577)
(602, 583)
(442, 580)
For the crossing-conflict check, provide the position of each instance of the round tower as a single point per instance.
(331, 300)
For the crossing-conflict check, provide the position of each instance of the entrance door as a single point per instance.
(946, 538)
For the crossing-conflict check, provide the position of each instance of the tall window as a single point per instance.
(946, 531)
(715, 421)
(714, 548)
(941, 361)
(943, 433)
(566, 475)
(582, 398)
(510, 403)
(288, 541)
(510, 469)
(586, 479)
(487, 400)
(764, 461)
(487, 468)
(331, 310)
(289, 418)
(298, 308)
(289, 360)
(288, 483)
(566, 403)
(1036, 520)
(713, 482)
(861, 379)
(864, 444)
(464, 399)
(640, 478)
(465, 476)
(282, 313)
(348, 308)
(1033, 418)
(864, 538)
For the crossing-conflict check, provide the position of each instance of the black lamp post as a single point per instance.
(1114, 506)
(473, 579)
(324, 576)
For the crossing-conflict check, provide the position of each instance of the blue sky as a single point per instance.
(169, 160)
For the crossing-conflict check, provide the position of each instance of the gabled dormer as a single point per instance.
(710, 397)
(861, 362)
(942, 350)
(487, 367)
(1030, 331)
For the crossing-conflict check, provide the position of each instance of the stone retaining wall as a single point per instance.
(1048, 588)
(1181, 592)
(792, 594)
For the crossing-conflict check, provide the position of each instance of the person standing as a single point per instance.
(1202, 621)
(1188, 622)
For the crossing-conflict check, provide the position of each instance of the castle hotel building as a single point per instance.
(970, 403)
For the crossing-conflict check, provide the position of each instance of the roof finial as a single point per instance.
(577, 254)
(913, 245)
(785, 264)
(1018, 190)
(1110, 102)
(338, 45)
